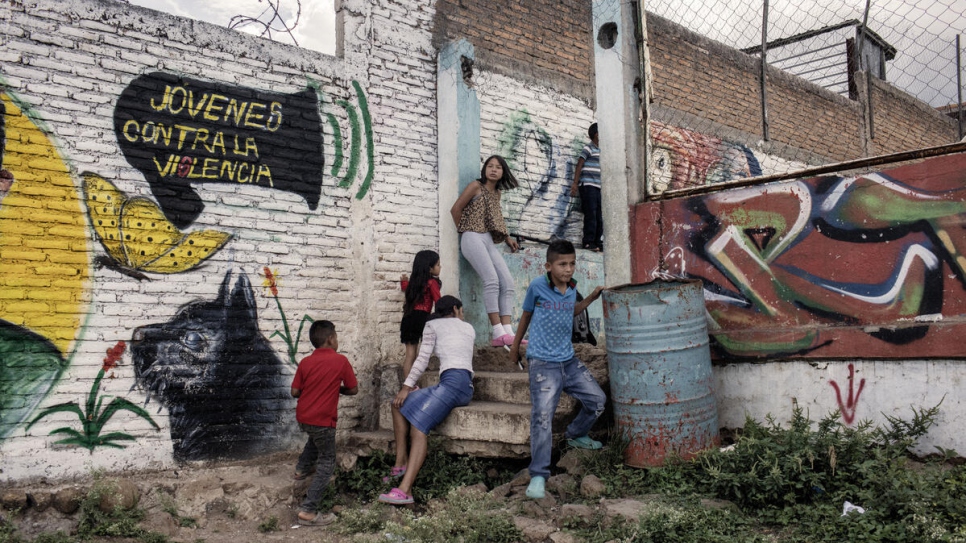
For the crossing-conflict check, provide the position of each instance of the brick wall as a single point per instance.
(546, 43)
(703, 86)
(179, 295)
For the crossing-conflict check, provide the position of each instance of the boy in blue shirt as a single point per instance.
(551, 304)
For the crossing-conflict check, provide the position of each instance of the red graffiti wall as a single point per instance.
(871, 265)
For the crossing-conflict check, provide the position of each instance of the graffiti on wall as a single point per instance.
(866, 266)
(45, 279)
(542, 207)
(177, 131)
(682, 158)
(849, 404)
(221, 382)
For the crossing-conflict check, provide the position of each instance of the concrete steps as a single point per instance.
(495, 424)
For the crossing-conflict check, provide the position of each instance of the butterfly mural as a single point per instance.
(138, 237)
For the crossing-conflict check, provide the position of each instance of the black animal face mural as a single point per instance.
(226, 391)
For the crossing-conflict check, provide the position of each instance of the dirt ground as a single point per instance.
(229, 502)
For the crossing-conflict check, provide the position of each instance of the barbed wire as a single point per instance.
(270, 20)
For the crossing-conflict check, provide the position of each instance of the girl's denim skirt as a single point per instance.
(427, 407)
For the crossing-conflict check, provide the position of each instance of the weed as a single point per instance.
(232, 510)
(358, 521)
(792, 481)
(8, 533)
(55, 537)
(117, 523)
(269, 525)
(470, 517)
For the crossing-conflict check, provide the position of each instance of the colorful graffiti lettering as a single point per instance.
(830, 266)
(93, 418)
(178, 131)
(138, 237)
(217, 375)
(544, 170)
(847, 408)
(683, 158)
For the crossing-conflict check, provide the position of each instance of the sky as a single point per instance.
(923, 31)
(314, 30)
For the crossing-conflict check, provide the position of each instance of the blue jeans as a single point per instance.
(319, 452)
(547, 381)
(590, 205)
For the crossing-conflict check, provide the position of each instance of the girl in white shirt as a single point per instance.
(452, 339)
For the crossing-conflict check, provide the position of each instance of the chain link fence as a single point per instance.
(845, 80)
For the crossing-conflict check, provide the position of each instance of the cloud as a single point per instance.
(315, 28)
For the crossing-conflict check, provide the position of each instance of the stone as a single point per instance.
(572, 462)
(119, 493)
(478, 489)
(161, 522)
(630, 510)
(532, 529)
(591, 486)
(571, 511)
(67, 500)
(563, 486)
(40, 501)
(501, 491)
(14, 500)
(521, 479)
(711, 503)
(563, 537)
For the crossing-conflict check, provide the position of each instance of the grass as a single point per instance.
(777, 484)
(791, 483)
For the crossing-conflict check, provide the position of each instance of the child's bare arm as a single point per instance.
(580, 306)
(522, 327)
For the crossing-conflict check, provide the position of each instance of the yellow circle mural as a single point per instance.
(43, 241)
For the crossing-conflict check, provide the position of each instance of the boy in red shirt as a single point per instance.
(319, 380)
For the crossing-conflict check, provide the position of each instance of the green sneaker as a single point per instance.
(584, 442)
(535, 490)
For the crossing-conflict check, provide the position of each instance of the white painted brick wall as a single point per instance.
(70, 68)
(564, 119)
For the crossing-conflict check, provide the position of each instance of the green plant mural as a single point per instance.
(95, 416)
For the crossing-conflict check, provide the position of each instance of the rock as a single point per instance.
(161, 522)
(14, 500)
(119, 493)
(572, 511)
(40, 501)
(532, 509)
(501, 491)
(630, 510)
(492, 473)
(563, 537)
(478, 489)
(533, 530)
(563, 486)
(591, 486)
(521, 479)
(709, 503)
(572, 462)
(67, 500)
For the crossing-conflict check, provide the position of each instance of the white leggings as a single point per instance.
(487, 259)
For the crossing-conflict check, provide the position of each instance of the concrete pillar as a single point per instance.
(458, 133)
(618, 118)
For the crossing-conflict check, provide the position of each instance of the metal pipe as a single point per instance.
(838, 167)
(764, 69)
(959, 86)
(868, 78)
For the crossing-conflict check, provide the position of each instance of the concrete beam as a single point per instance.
(618, 118)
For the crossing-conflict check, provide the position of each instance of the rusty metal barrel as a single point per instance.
(659, 363)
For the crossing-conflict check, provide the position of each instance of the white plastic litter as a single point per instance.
(847, 508)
